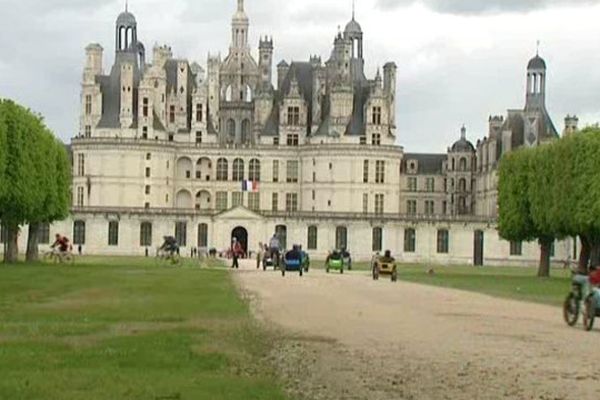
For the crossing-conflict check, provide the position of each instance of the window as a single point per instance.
(363, 140)
(462, 164)
(429, 207)
(181, 233)
(79, 197)
(246, 131)
(81, 164)
(198, 112)
(145, 132)
(411, 207)
(275, 202)
(237, 199)
(444, 207)
(516, 248)
(291, 202)
(254, 170)
(365, 203)
(442, 241)
(148, 172)
(412, 184)
(238, 170)
(292, 140)
(379, 206)
(147, 191)
(553, 249)
(410, 240)
(3, 233)
(88, 104)
(341, 238)
(377, 239)
(148, 156)
(113, 233)
(376, 115)
(221, 201)
(202, 236)
(254, 201)
(44, 233)
(430, 184)
(198, 137)
(79, 232)
(380, 172)
(145, 107)
(292, 171)
(276, 141)
(230, 130)
(222, 170)
(281, 232)
(88, 131)
(312, 238)
(275, 171)
(293, 116)
(376, 139)
(172, 114)
(366, 171)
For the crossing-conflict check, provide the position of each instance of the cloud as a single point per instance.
(477, 7)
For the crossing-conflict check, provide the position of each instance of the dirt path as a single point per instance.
(353, 338)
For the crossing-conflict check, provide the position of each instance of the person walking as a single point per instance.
(259, 255)
(236, 253)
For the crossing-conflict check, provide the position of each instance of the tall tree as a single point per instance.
(3, 155)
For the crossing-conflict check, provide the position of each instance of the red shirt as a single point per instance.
(594, 278)
(237, 249)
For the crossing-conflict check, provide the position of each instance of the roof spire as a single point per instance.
(353, 9)
(463, 132)
(537, 51)
(126, 5)
(241, 5)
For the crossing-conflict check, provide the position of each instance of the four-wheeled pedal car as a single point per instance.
(383, 266)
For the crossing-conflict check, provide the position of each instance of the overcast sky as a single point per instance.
(459, 61)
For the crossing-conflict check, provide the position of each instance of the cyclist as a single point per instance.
(62, 243)
(275, 249)
(170, 245)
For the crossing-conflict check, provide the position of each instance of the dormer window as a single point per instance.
(293, 116)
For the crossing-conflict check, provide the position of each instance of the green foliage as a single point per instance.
(3, 151)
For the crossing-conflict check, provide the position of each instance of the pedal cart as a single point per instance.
(335, 261)
(591, 308)
(580, 289)
(269, 261)
(385, 265)
(293, 261)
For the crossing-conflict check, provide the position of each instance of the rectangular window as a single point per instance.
(366, 171)
(363, 140)
(79, 232)
(430, 185)
(443, 238)
(88, 104)
(380, 172)
(3, 233)
(366, 203)
(88, 131)
(429, 207)
(379, 204)
(411, 207)
(181, 233)
(292, 171)
(275, 171)
(412, 185)
(376, 115)
(147, 191)
(444, 207)
(410, 240)
(145, 107)
(81, 164)
(341, 238)
(516, 248)
(312, 238)
(292, 140)
(221, 201)
(377, 239)
(79, 197)
(44, 233)
(113, 233)
(276, 141)
(198, 112)
(237, 199)
(172, 114)
(198, 137)
(254, 201)
(148, 172)
(146, 234)
(275, 202)
(291, 202)
(145, 132)
(148, 156)
(294, 116)
(376, 139)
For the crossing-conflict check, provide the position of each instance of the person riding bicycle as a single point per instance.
(170, 245)
(62, 243)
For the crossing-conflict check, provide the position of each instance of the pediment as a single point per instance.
(239, 213)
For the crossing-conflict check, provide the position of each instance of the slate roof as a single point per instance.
(537, 62)
(428, 164)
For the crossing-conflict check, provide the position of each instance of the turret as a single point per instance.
(93, 64)
(495, 123)
(265, 62)
(571, 125)
(282, 71)
(239, 27)
(389, 88)
(536, 84)
(161, 55)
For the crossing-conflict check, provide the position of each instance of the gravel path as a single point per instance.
(348, 337)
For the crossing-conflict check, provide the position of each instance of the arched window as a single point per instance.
(203, 200)
(246, 131)
(79, 232)
(254, 173)
(453, 164)
(146, 234)
(462, 185)
(312, 238)
(183, 200)
(248, 94)
(377, 239)
(463, 164)
(238, 170)
(222, 170)
(228, 93)
(230, 130)
(341, 238)
(202, 236)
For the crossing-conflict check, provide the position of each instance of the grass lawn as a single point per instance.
(508, 282)
(123, 328)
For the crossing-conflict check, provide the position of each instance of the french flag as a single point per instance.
(249, 186)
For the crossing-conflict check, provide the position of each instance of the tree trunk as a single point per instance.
(595, 256)
(32, 243)
(12, 250)
(584, 254)
(544, 268)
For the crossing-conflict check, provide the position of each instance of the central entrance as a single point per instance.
(241, 234)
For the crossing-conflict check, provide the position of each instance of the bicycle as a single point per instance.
(59, 257)
(167, 258)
